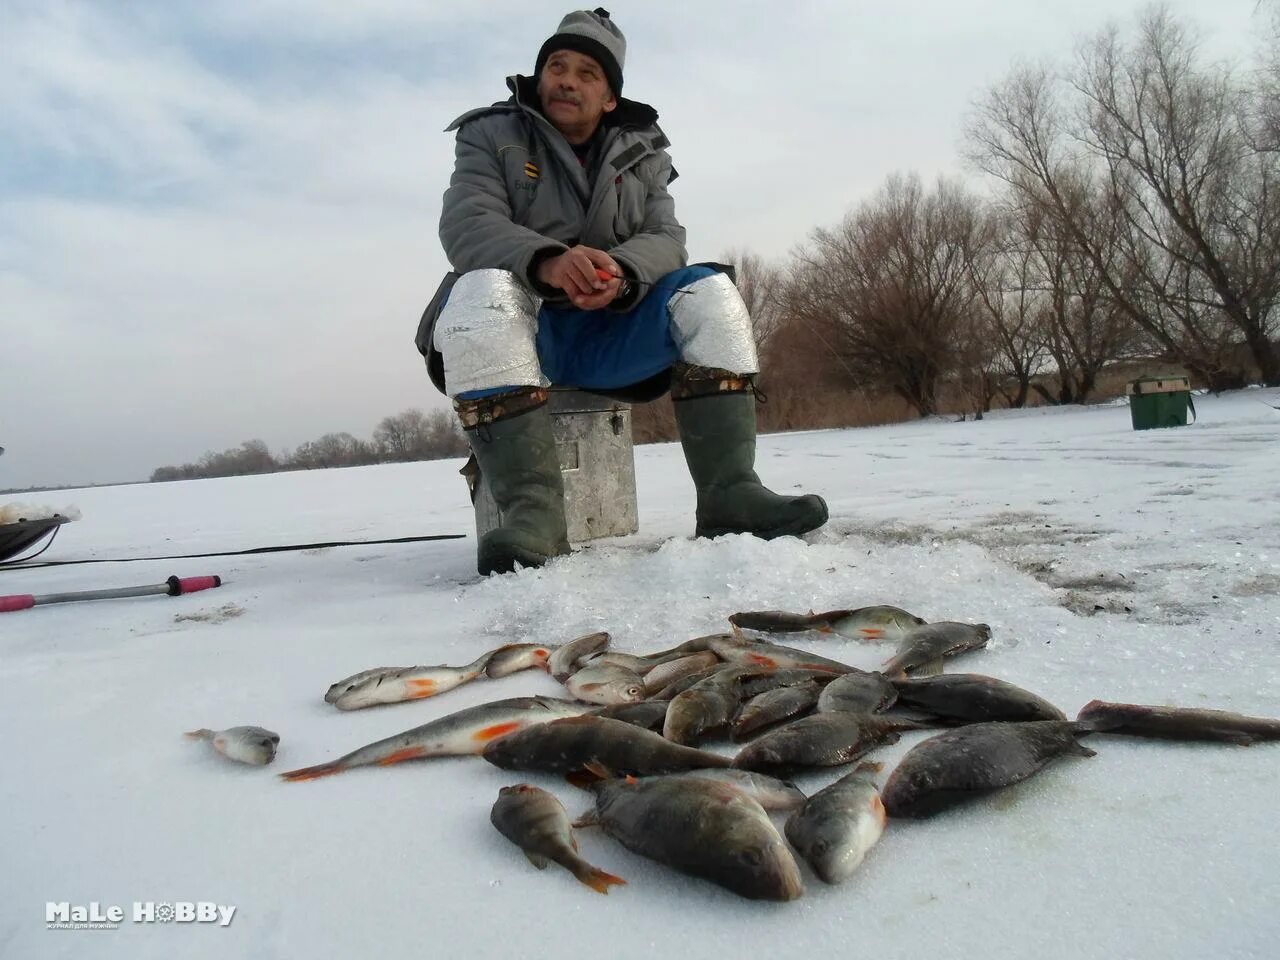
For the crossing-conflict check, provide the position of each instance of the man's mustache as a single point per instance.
(567, 98)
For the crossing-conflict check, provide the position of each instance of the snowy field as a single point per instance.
(1141, 567)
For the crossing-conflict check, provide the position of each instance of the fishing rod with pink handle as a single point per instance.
(173, 587)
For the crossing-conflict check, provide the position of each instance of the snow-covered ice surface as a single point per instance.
(1129, 566)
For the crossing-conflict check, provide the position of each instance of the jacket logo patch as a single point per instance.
(531, 170)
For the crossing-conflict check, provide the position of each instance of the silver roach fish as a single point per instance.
(399, 684)
(960, 765)
(865, 623)
(1178, 723)
(514, 657)
(563, 660)
(924, 648)
(700, 826)
(252, 745)
(838, 825)
(605, 684)
(460, 734)
(536, 822)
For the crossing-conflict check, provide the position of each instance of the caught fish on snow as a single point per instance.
(598, 745)
(821, 740)
(605, 685)
(924, 648)
(1178, 723)
(770, 792)
(858, 692)
(466, 732)
(252, 745)
(536, 822)
(836, 826)
(969, 762)
(564, 658)
(515, 657)
(699, 826)
(973, 698)
(707, 706)
(398, 684)
(773, 706)
(669, 671)
(864, 623)
(758, 653)
(649, 714)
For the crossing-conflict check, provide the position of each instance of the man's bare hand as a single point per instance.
(574, 272)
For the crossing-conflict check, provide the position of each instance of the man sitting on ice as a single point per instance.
(570, 269)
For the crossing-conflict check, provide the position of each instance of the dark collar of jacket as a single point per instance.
(628, 115)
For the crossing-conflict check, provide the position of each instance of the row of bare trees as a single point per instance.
(408, 435)
(1133, 214)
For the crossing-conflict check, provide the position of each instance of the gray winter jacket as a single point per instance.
(518, 191)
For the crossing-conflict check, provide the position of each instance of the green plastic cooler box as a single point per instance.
(1159, 402)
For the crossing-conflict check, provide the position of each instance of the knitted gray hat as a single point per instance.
(593, 33)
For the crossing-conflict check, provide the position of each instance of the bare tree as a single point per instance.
(760, 283)
(402, 436)
(1006, 281)
(332, 450)
(1162, 142)
(444, 436)
(892, 287)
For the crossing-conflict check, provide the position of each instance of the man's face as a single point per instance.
(574, 94)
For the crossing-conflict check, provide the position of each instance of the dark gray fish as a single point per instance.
(773, 706)
(858, 692)
(924, 648)
(599, 745)
(838, 825)
(1178, 723)
(758, 653)
(864, 623)
(696, 645)
(959, 765)
(706, 707)
(536, 822)
(972, 697)
(770, 792)
(821, 740)
(648, 714)
(702, 827)
(789, 677)
(677, 687)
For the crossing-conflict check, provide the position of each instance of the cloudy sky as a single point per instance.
(218, 220)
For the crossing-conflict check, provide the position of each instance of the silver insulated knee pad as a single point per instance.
(485, 333)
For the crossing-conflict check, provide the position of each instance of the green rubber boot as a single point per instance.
(518, 460)
(718, 434)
